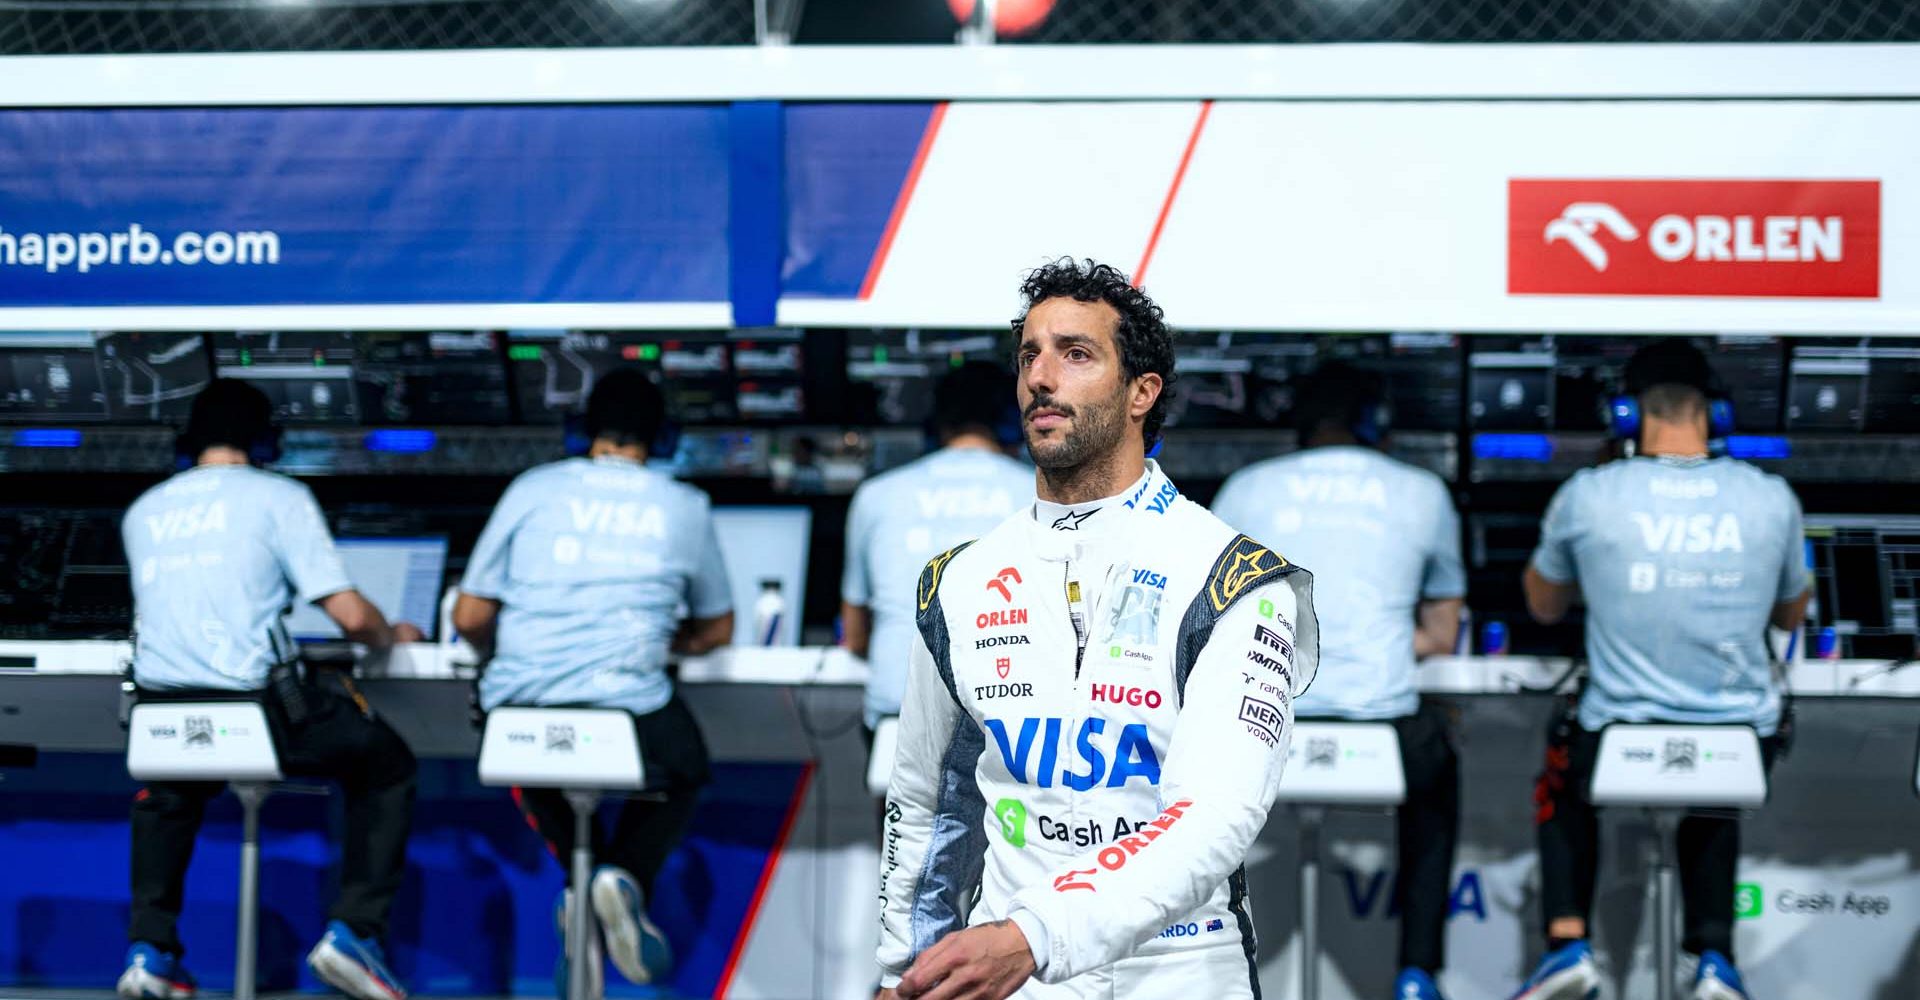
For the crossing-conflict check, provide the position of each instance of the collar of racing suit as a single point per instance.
(1070, 532)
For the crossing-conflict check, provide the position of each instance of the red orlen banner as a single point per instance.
(1693, 237)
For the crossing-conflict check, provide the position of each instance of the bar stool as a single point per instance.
(1334, 765)
(582, 752)
(1670, 770)
(226, 741)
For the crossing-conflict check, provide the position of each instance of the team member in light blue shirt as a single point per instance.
(590, 572)
(1684, 560)
(1384, 543)
(218, 553)
(904, 517)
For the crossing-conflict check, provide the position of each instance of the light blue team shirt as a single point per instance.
(1680, 563)
(1380, 536)
(898, 521)
(217, 554)
(593, 561)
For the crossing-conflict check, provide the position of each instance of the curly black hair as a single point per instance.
(1146, 342)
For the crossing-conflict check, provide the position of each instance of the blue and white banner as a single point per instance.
(356, 206)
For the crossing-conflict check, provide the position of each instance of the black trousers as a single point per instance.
(1429, 832)
(1428, 829)
(1707, 848)
(648, 827)
(339, 740)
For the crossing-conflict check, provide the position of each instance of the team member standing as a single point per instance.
(1384, 541)
(574, 588)
(908, 515)
(218, 553)
(1683, 561)
(1099, 701)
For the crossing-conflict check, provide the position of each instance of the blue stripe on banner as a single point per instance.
(757, 223)
(845, 166)
(364, 205)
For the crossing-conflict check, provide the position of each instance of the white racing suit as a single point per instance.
(1096, 716)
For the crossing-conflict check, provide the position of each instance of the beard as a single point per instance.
(1095, 432)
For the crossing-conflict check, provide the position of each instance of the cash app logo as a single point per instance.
(1266, 609)
(1012, 814)
(1747, 898)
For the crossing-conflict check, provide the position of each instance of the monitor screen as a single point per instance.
(1866, 582)
(765, 543)
(1510, 384)
(401, 576)
(1248, 380)
(554, 371)
(430, 378)
(50, 376)
(891, 374)
(153, 377)
(308, 376)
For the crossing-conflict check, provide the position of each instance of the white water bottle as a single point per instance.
(768, 613)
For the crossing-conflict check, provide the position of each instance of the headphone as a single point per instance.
(576, 442)
(261, 451)
(1623, 415)
(1375, 423)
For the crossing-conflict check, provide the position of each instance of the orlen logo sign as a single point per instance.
(1697, 237)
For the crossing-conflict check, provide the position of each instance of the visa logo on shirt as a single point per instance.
(626, 518)
(963, 502)
(1133, 754)
(1355, 490)
(1690, 533)
(188, 522)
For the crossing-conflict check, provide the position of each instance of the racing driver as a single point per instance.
(1098, 703)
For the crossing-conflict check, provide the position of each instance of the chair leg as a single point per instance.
(1311, 818)
(1666, 825)
(580, 920)
(246, 935)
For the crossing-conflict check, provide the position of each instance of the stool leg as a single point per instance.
(1311, 818)
(580, 920)
(1666, 826)
(246, 951)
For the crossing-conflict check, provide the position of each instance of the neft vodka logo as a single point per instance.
(1767, 238)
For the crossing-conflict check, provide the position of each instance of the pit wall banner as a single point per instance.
(1769, 216)
(357, 206)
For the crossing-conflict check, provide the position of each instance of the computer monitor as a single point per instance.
(1866, 582)
(765, 543)
(401, 576)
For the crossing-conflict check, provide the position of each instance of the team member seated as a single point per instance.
(905, 516)
(574, 591)
(1384, 543)
(1683, 561)
(218, 553)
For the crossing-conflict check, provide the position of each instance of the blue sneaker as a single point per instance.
(354, 965)
(1415, 984)
(153, 974)
(596, 958)
(1566, 974)
(637, 947)
(1717, 979)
